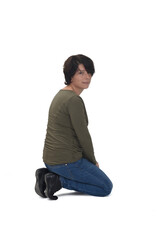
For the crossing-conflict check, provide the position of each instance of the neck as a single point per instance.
(78, 91)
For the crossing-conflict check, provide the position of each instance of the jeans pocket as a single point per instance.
(63, 170)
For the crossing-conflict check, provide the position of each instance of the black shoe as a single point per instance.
(40, 185)
(53, 184)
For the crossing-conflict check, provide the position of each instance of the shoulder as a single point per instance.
(75, 99)
(75, 103)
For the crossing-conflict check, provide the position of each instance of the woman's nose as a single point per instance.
(88, 75)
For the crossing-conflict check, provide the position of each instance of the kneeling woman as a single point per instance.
(68, 151)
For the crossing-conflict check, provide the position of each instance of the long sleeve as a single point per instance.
(79, 122)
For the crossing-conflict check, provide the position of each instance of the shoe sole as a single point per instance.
(49, 195)
(39, 176)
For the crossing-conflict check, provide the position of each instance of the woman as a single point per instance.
(68, 151)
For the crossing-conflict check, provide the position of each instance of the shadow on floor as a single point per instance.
(71, 194)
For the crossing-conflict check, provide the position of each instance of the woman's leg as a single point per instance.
(83, 176)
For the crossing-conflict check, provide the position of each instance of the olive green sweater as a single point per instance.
(67, 138)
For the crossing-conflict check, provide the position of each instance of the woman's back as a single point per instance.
(61, 143)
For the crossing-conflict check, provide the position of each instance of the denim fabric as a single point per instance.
(83, 176)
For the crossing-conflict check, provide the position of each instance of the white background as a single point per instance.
(123, 39)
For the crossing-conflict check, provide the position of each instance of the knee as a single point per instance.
(108, 188)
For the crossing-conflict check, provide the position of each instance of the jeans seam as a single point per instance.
(70, 172)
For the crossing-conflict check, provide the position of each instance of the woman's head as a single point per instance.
(71, 66)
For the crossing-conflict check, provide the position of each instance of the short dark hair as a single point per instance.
(71, 65)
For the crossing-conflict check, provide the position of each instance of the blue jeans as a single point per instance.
(83, 176)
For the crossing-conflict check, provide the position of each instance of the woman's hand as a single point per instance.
(97, 164)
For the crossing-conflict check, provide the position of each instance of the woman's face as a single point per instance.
(81, 78)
